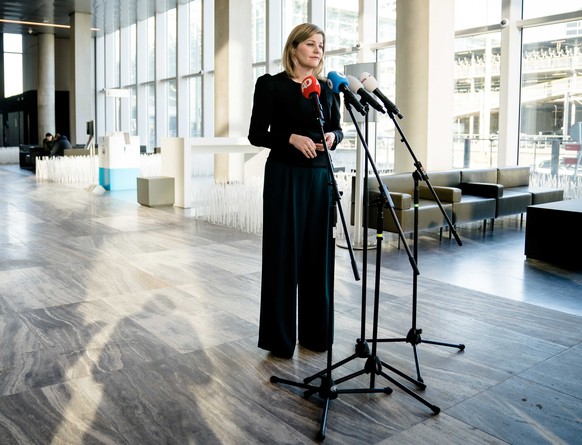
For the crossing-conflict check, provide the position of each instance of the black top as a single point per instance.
(60, 145)
(280, 109)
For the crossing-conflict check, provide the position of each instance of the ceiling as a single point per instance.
(107, 15)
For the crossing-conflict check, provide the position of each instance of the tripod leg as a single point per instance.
(321, 434)
(327, 392)
(461, 346)
(435, 409)
(415, 352)
(326, 370)
(310, 389)
(419, 382)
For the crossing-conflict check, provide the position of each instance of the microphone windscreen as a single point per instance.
(369, 82)
(309, 86)
(335, 80)
(354, 84)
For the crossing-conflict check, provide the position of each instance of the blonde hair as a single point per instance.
(298, 35)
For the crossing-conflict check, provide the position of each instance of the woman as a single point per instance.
(47, 144)
(297, 263)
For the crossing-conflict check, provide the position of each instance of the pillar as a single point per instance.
(425, 82)
(81, 94)
(232, 77)
(46, 85)
(510, 78)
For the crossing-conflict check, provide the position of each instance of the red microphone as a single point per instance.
(310, 86)
(311, 89)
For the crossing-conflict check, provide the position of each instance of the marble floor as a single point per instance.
(122, 324)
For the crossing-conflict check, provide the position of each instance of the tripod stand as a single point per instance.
(414, 334)
(328, 389)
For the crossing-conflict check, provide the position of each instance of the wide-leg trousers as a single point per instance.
(297, 259)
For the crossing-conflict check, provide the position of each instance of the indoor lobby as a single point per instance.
(128, 324)
(125, 323)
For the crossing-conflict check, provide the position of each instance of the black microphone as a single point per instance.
(357, 87)
(339, 84)
(311, 89)
(371, 84)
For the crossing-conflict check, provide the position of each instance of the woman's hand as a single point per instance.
(329, 141)
(305, 145)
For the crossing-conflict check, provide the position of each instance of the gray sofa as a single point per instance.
(401, 190)
(511, 187)
(466, 195)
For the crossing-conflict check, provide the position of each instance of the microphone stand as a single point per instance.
(327, 389)
(414, 334)
(374, 365)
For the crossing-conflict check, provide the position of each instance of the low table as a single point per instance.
(553, 233)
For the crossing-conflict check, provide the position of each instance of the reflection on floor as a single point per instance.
(493, 262)
(123, 324)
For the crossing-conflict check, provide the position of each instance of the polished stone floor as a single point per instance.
(123, 324)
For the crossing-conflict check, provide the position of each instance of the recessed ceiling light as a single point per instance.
(49, 25)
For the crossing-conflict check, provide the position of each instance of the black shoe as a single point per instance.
(314, 348)
(282, 354)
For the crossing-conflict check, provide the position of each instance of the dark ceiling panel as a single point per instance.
(107, 15)
(40, 11)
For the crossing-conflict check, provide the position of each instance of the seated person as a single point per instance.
(47, 144)
(61, 143)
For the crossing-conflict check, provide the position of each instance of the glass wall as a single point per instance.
(551, 62)
(551, 98)
(162, 94)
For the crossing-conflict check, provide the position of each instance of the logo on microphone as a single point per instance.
(306, 84)
(339, 78)
(310, 86)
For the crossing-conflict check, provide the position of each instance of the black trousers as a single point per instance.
(298, 259)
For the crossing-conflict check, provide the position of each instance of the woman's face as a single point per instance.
(310, 52)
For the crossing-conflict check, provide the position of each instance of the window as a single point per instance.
(259, 27)
(133, 54)
(151, 48)
(476, 100)
(386, 20)
(172, 129)
(171, 42)
(537, 8)
(195, 80)
(551, 97)
(133, 110)
(13, 83)
(117, 58)
(341, 24)
(151, 116)
(195, 125)
(195, 36)
(475, 13)
(386, 67)
(294, 13)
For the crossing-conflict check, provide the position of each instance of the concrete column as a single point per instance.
(81, 94)
(232, 77)
(425, 82)
(510, 78)
(46, 85)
